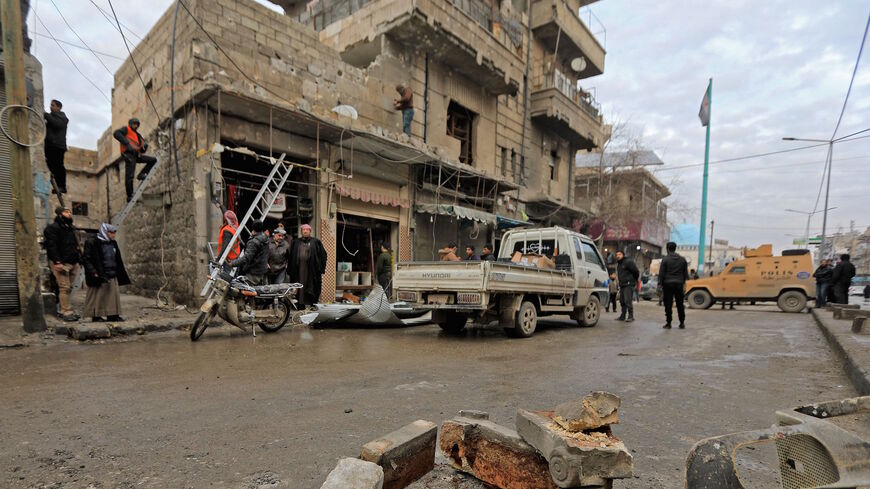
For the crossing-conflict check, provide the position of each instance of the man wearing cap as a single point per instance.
(307, 264)
(62, 250)
(133, 147)
(279, 255)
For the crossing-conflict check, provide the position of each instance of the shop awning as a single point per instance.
(370, 196)
(457, 211)
(508, 223)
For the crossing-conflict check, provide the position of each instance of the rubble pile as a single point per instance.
(571, 446)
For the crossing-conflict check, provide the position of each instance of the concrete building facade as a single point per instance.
(269, 83)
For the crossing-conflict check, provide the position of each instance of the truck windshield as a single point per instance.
(589, 254)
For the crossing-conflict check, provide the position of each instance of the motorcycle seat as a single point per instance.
(275, 289)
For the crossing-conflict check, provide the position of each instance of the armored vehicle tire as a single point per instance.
(792, 301)
(588, 316)
(287, 306)
(525, 321)
(454, 322)
(201, 324)
(700, 299)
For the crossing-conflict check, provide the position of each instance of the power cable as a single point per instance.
(852, 81)
(106, 16)
(80, 39)
(853, 134)
(79, 46)
(71, 60)
(145, 87)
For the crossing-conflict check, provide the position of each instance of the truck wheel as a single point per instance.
(792, 301)
(587, 317)
(700, 299)
(454, 322)
(525, 321)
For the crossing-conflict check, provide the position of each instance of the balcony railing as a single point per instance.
(488, 16)
(594, 24)
(583, 98)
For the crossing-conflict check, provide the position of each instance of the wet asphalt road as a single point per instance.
(233, 411)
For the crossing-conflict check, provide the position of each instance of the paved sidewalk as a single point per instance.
(853, 349)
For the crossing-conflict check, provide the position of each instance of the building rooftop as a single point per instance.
(619, 158)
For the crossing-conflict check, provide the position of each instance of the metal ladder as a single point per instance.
(259, 209)
(119, 218)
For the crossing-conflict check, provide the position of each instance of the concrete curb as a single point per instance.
(846, 348)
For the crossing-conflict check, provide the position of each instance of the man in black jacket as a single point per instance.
(133, 147)
(823, 281)
(841, 279)
(627, 274)
(254, 263)
(55, 143)
(62, 250)
(673, 273)
(307, 265)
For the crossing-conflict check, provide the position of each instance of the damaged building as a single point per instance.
(499, 116)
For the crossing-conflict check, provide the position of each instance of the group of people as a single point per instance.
(133, 148)
(832, 282)
(273, 257)
(103, 268)
(673, 274)
(450, 253)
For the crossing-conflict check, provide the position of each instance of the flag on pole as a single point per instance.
(704, 113)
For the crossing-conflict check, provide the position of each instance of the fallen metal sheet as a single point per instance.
(376, 310)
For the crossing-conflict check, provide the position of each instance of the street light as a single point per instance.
(828, 164)
(809, 216)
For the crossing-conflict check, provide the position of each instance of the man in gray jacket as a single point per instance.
(279, 255)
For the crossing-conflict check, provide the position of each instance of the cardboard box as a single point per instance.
(344, 266)
(365, 278)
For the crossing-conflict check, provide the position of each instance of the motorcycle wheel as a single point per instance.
(201, 324)
(273, 327)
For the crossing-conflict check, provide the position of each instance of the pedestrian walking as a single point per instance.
(613, 289)
(307, 265)
(673, 273)
(55, 143)
(627, 274)
(104, 274)
(62, 250)
(254, 263)
(823, 276)
(384, 269)
(133, 148)
(279, 256)
(405, 103)
(225, 235)
(841, 279)
(487, 253)
(469, 254)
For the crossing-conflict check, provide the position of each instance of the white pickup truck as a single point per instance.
(512, 293)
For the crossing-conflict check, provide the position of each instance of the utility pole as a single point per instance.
(29, 293)
(710, 256)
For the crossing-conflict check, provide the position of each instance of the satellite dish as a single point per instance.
(578, 64)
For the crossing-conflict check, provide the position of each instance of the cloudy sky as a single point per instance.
(779, 68)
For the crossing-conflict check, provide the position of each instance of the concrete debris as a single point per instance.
(473, 414)
(405, 454)
(849, 314)
(376, 310)
(494, 454)
(858, 324)
(593, 411)
(576, 459)
(352, 473)
(88, 331)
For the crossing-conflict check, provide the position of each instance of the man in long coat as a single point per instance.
(307, 265)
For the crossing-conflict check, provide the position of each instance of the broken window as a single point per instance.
(80, 208)
(553, 163)
(460, 122)
(504, 162)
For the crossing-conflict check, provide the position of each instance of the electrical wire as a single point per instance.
(133, 60)
(853, 134)
(106, 16)
(79, 46)
(852, 81)
(71, 59)
(80, 39)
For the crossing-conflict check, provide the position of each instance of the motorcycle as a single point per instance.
(245, 306)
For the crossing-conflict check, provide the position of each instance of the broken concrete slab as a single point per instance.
(840, 309)
(353, 473)
(405, 454)
(859, 323)
(590, 459)
(593, 411)
(850, 314)
(473, 414)
(89, 331)
(494, 454)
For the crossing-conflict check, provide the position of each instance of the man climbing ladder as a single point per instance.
(133, 147)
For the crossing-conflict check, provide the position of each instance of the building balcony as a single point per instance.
(558, 27)
(574, 115)
(466, 35)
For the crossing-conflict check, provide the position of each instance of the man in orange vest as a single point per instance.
(225, 235)
(133, 147)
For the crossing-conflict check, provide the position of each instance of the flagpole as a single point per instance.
(703, 235)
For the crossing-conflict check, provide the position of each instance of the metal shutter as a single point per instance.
(8, 272)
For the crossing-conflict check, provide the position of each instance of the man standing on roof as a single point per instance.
(405, 103)
(133, 147)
